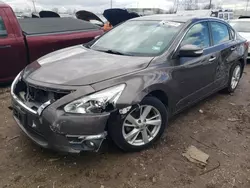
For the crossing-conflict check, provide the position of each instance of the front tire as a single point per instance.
(141, 126)
(234, 78)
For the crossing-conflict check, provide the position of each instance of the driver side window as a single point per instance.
(198, 35)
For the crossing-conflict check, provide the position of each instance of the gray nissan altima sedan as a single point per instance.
(127, 83)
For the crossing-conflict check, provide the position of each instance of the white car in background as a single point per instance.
(242, 26)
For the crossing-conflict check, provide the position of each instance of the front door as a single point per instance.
(5, 48)
(195, 75)
(12, 50)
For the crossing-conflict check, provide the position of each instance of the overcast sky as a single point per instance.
(100, 5)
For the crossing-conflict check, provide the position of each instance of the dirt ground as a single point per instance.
(222, 131)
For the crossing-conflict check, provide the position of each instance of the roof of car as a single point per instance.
(3, 4)
(175, 18)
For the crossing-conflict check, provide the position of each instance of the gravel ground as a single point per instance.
(222, 131)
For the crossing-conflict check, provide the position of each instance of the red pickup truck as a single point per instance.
(26, 40)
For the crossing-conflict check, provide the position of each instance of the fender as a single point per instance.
(152, 82)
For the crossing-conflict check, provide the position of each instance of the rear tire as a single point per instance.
(135, 131)
(234, 78)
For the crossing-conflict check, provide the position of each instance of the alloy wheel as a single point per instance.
(141, 125)
(235, 77)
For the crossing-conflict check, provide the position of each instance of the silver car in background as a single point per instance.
(242, 26)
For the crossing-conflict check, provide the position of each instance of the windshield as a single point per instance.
(241, 26)
(139, 38)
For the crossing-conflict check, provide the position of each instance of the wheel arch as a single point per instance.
(161, 95)
(242, 63)
(158, 92)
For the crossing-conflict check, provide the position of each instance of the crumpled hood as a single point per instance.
(81, 66)
(245, 35)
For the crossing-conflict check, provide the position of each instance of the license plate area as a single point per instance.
(30, 123)
(20, 115)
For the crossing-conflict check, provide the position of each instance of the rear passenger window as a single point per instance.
(198, 35)
(3, 32)
(220, 33)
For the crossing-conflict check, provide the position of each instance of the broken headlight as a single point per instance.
(97, 102)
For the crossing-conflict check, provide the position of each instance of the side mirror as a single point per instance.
(190, 51)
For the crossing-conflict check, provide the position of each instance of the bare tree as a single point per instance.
(171, 11)
(55, 10)
(191, 5)
(208, 6)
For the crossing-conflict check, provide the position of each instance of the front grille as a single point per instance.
(42, 95)
(30, 93)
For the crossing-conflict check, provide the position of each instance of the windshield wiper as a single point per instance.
(114, 52)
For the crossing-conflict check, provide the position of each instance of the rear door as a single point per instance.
(195, 75)
(227, 50)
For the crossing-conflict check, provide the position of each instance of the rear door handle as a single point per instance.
(212, 59)
(233, 48)
(4, 46)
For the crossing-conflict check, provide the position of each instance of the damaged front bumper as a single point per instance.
(52, 128)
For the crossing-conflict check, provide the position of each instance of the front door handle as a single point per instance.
(4, 46)
(233, 48)
(212, 59)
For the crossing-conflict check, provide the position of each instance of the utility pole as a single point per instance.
(210, 4)
(177, 6)
(247, 5)
(34, 5)
(111, 3)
